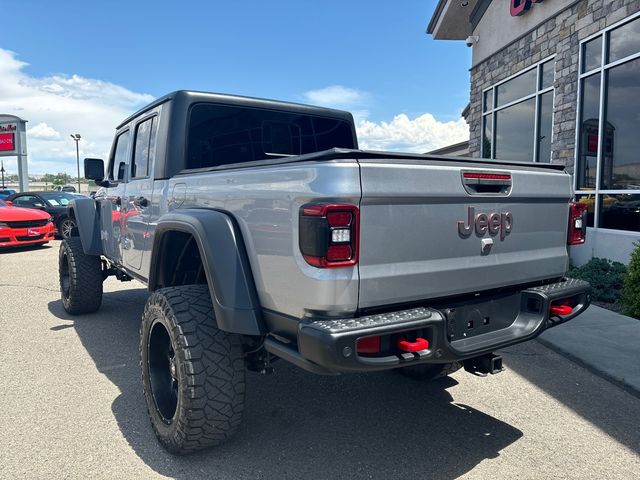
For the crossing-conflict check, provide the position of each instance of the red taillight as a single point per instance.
(368, 345)
(329, 235)
(577, 223)
(339, 253)
(339, 219)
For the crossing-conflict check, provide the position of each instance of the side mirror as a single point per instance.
(8, 202)
(93, 169)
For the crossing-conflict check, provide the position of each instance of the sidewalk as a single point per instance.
(606, 343)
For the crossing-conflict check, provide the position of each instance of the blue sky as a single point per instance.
(372, 58)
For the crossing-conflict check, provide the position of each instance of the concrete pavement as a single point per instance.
(72, 407)
(603, 341)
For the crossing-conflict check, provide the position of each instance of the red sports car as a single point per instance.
(24, 226)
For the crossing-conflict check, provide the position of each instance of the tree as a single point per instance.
(631, 288)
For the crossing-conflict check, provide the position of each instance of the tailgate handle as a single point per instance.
(481, 183)
(419, 344)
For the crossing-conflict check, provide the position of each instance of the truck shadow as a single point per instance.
(298, 425)
(601, 403)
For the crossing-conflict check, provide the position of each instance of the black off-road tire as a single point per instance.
(80, 278)
(429, 372)
(193, 374)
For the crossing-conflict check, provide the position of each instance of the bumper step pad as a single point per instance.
(330, 346)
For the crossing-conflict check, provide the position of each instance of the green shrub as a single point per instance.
(631, 289)
(605, 276)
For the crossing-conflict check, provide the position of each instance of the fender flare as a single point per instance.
(86, 213)
(224, 257)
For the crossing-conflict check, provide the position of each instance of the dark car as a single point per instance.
(66, 188)
(54, 203)
(5, 192)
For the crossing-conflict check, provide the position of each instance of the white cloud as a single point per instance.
(43, 131)
(337, 96)
(341, 97)
(419, 135)
(59, 105)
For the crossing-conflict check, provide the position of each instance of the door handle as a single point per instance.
(140, 202)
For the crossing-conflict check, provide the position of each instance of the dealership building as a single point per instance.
(559, 81)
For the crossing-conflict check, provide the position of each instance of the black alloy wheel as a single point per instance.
(66, 227)
(161, 366)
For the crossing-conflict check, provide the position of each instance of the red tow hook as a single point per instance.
(560, 310)
(419, 344)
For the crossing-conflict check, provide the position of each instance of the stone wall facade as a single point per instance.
(560, 35)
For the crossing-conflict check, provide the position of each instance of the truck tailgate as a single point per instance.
(412, 246)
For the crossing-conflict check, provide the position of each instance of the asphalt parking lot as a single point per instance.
(72, 407)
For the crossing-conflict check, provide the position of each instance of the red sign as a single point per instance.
(7, 142)
(518, 7)
(592, 144)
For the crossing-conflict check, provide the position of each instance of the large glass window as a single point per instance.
(608, 151)
(222, 135)
(545, 124)
(517, 116)
(514, 131)
(590, 120)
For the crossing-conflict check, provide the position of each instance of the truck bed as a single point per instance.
(410, 206)
(371, 155)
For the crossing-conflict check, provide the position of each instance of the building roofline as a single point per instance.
(452, 19)
(436, 16)
(465, 111)
(454, 146)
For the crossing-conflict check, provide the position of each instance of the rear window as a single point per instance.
(222, 134)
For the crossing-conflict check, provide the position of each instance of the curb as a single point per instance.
(621, 383)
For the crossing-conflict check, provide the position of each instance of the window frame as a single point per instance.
(602, 70)
(112, 157)
(154, 115)
(537, 94)
(31, 195)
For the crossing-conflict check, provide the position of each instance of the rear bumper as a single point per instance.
(454, 332)
(18, 237)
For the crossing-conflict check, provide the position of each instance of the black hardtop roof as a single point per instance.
(190, 96)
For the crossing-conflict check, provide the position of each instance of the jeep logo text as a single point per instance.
(482, 223)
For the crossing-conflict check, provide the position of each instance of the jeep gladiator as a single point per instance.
(263, 233)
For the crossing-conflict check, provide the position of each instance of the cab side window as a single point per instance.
(120, 160)
(144, 151)
(28, 201)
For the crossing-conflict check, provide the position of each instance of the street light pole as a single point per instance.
(2, 170)
(76, 138)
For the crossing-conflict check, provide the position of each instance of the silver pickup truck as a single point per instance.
(263, 233)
